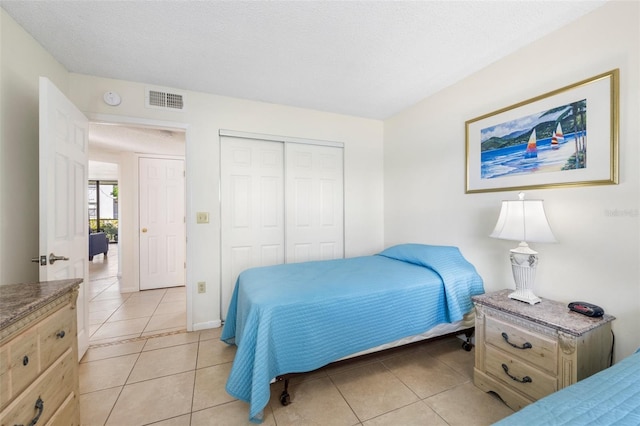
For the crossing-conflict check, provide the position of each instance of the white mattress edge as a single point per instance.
(466, 322)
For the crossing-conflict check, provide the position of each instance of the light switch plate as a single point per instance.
(202, 217)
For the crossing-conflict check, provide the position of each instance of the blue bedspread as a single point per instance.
(299, 317)
(610, 397)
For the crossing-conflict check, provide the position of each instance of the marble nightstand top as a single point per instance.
(548, 313)
(19, 300)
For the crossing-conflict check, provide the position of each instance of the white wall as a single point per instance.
(23, 61)
(598, 253)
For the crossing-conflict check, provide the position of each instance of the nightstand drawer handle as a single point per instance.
(525, 379)
(525, 345)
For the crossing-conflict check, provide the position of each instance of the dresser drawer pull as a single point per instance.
(525, 345)
(60, 334)
(25, 360)
(525, 379)
(40, 408)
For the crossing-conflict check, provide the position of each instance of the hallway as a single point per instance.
(115, 316)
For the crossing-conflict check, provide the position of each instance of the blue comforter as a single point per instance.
(610, 397)
(299, 317)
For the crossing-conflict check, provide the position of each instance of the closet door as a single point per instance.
(314, 202)
(252, 212)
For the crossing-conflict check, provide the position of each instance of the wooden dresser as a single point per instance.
(525, 352)
(39, 354)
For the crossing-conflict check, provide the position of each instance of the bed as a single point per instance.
(610, 397)
(299, 317)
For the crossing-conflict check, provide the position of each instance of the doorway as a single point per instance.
(121, 145)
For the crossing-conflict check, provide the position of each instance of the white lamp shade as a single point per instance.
(523, 220)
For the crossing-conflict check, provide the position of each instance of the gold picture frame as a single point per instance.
(542, 142)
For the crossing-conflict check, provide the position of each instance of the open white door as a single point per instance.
(63, 197)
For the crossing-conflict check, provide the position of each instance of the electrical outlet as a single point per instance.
(202, 287)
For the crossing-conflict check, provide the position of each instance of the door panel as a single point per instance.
(162, 227)
(314, 202)
(252, 214)
(63, 196)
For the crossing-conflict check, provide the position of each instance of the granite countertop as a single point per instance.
(19, 300)
(548, 313)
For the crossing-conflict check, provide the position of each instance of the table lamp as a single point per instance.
(525, 221)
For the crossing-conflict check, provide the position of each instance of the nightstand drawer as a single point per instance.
(518, 375)
(532, 347)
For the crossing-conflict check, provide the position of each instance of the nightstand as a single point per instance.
(525, 352)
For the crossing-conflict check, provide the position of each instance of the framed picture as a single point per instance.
(568, 137)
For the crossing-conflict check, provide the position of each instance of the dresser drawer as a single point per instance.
(67, 414)
(53, 387)
(23, 360)
(56, 335)
(518, 375)
(532, 347)
(5, 391)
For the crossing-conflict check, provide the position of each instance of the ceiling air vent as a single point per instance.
(164, 100)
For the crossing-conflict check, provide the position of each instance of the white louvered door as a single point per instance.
(281, 202)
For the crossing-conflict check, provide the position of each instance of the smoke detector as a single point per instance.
(111, 98)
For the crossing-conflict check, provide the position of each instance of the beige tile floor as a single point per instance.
(142, 368)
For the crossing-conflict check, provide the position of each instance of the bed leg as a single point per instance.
(468, 345)
(285, 399)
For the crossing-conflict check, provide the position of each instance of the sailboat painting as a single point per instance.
(542, 142)
(536, 143)
(532, 146)
(557, 137)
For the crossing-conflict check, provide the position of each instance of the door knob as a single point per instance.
(144, 229)
(53, 258)
(42, 260)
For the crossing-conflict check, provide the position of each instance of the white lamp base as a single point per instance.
(525, 295)
(523, 264)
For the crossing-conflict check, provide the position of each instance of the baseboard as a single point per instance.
(206, 325)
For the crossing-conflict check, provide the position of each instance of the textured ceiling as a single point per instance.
(363, 58)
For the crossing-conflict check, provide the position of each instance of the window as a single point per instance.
(103, 208)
